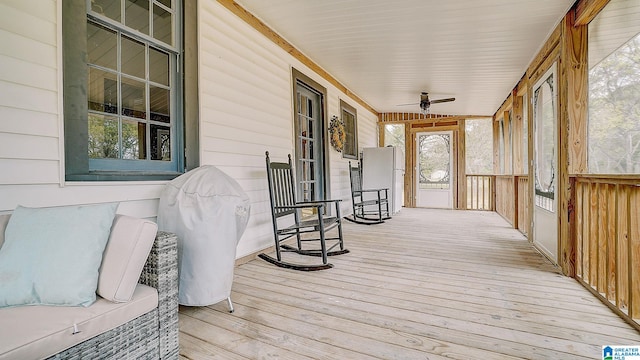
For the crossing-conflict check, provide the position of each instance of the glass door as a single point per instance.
(545, 117)
(309, 144)
(434, 183)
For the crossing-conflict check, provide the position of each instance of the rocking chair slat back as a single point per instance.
(280, 178)
(373, 209)
(282, 195)
(356, 179)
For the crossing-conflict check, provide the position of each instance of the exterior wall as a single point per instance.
(246, 109)
(245, 97)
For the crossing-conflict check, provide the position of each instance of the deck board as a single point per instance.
(426, 284)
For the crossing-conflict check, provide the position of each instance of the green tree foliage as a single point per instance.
(103, 137)
(394, 135)
(105, 141)
(614, 112)
(435, 159)
(479, 146)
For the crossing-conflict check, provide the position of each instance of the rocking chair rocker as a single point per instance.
(282, 194)
(367, 210)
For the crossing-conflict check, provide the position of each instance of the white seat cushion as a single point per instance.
(35, 332)
(124, 257)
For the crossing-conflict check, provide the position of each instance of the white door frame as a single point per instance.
(545, 210)
(309, 150)
(434, 198)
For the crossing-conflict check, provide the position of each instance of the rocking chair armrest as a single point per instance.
(299, 206)
(336, 203)
(372, 190)
(321, 201)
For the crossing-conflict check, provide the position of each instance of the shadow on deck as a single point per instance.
(427, 284)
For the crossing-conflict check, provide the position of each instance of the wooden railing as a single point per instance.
(481, 192)
(523, 212)
(512, 200)
(508, 195)
(505, 197)
(606, 231)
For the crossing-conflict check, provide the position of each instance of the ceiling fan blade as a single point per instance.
(408, 104)
(442, 100)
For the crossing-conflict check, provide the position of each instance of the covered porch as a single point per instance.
(426, 284)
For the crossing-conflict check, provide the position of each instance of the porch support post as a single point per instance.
(462, 165)
(496, 145)
(572, 132)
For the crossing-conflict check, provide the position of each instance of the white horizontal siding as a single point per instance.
(40, 27)
(29, 94)
(246, 109)
(23, 121)
(34, 9)
(28, 172)
(135, 198)
(29, 50)
(27, 97)
(14, 146)
(18, 71)
(30, 130)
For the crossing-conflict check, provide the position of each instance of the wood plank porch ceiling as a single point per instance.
(430, 284)
(387, 52)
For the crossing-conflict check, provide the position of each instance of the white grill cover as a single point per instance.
(209, 211)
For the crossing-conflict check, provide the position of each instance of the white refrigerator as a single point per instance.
(383, 167)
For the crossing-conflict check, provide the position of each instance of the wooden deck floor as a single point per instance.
(427, 284)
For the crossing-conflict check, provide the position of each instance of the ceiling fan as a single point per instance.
(425, 102)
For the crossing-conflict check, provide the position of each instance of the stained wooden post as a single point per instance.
(572, 130)
(516, 142)
(462, 166)
(496, 146)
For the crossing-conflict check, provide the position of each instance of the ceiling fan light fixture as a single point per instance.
(425, 102)
(424, 107)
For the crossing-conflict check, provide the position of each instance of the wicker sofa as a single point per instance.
(150, 336)
(153, 335)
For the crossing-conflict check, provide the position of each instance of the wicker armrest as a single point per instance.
(161, 272)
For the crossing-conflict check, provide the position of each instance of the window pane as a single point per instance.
(434, 161)
(158, 66)
(108, 8)
(103, 137)
(159, 104)
(544, 117)
(166, 3)
(102, 46)
(162, 21)
(394, 135)
(133, 57)
(479, 146)
(102, 91)
(350, 147)
(311, 128)
(160, 143)
(133, 99)
(134, 135)
(137, 15)
(614, 89)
